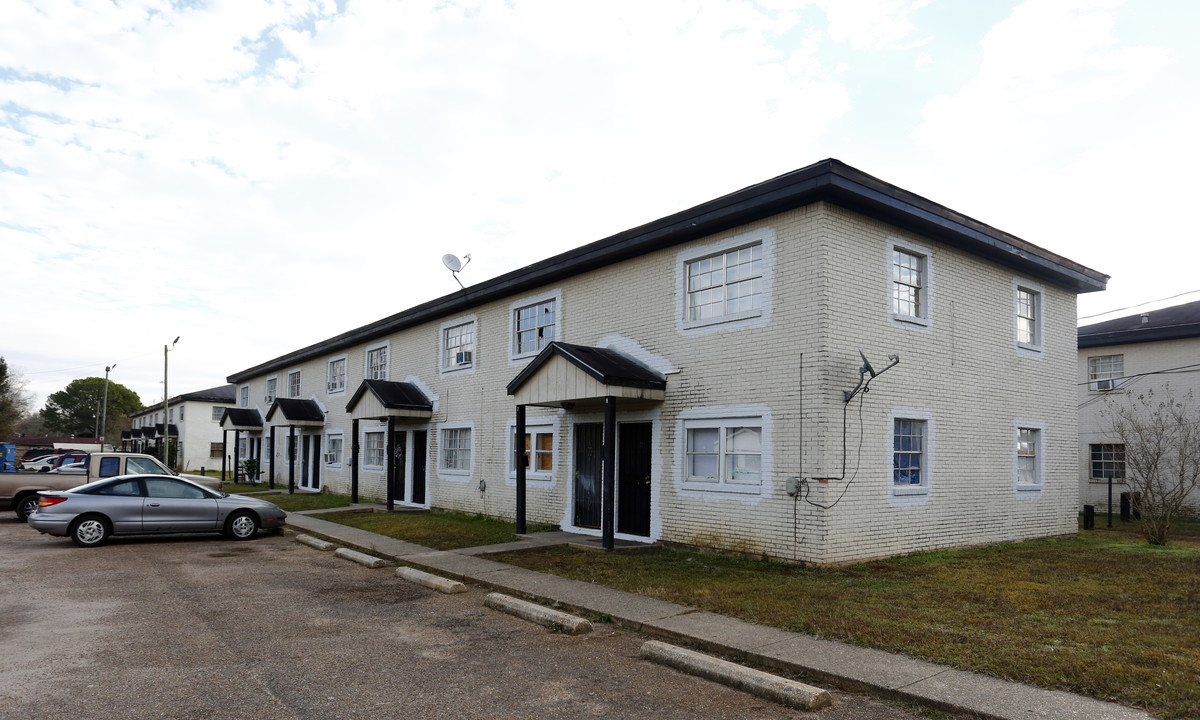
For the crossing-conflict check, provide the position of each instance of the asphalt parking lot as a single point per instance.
(203, 627)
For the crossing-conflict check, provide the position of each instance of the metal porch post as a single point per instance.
(391, 462)
(610, 474)
(519, 461)
(291, 458)
(354, 460)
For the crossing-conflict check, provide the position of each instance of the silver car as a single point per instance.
(150, 504)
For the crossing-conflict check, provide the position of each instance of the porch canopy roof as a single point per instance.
(172, 430)
(381, 399)
(296, 412)
(567, 376)
(241, 419)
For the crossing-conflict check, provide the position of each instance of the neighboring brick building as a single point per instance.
(728, 336)
(1156, 350)
(194, 422)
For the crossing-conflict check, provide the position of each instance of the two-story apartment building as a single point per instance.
(699, 380)
(1156, 350)
(194, 422)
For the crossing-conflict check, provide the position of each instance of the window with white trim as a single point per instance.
(1105, 372)
(908, 453)
(458, 346)
(271, 393)
(333, 449)
(908, 295)
(1029, 441)
(725, 285)
(377, 363)
(244, 396)
(294, 384)
(336, 377)
(373, 449)
(456, 450)
(1029, 323)
(215, 449)
(217, 414)
(724, 453)
(535, 326)
(539, 450)
(1108, 461)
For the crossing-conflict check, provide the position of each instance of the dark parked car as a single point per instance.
(150, 504)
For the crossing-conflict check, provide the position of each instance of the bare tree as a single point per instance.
(1162, 455)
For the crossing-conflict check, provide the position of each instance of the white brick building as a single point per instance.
(727, 337)
(1157, 350)
(194, 422)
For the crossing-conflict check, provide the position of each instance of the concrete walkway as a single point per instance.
(836, 664)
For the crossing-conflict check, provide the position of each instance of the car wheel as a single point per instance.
(25, 507)
(242, 525)
(89, 531)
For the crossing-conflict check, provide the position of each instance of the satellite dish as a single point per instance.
(452, 263)
(866, 363)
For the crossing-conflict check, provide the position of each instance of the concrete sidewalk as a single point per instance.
(843, 666)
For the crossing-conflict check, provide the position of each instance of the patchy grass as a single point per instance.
(1102, 614)
(305, 501)
(437, 530)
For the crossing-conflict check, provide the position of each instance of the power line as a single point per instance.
(1131, 307)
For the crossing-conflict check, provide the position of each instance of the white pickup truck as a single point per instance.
(19, 490)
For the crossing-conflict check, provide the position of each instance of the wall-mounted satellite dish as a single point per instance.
(453, 264)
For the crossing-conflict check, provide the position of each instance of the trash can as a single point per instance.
(8, 457)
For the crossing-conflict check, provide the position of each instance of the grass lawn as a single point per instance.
(437, 530)
(303, 501)
(1102, 614)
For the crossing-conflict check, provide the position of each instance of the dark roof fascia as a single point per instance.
(212, 395)
(830, 180)
(1134, 336)
(567, 351)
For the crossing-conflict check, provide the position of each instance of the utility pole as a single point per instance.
(104, 414)
(166, 425)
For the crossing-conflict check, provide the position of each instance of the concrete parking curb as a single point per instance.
(540, 614)
(361, 558)
(756, 682)
(317, 543)
(429, 580)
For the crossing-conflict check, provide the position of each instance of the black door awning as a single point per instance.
(381, 399)
(563, 375)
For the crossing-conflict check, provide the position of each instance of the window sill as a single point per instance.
(724, 488)
(911, 320)
(463, 368)
(1104, 481)
(910, 489)
(1029, 348)
(454, 473)
(737, 317)
(1030, 488)
(541, 477)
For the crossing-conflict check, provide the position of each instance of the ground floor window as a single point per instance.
(333, 449)
(908, 452)
(1108, 461)
(724, 453)
(539, 450)
(373, 450)
(456, 449)
(215, 450)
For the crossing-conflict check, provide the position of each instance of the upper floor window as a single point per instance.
(727, 284)
(294, 384)
(1105, 372)
(172, 416)
(271, 390)
(458, 346)
(377, 363)
(244, 396)
(218, 413)
(535, 326)
(908, 284)
(337, 375)
(1029, 324)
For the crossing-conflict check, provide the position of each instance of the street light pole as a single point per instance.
(166, 425)
(104, 414)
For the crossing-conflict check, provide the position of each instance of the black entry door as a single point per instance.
(304, 460)
(398, 476)
(588, 474)
(633, 484)
(420, 438)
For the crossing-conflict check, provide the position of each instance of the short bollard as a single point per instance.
(1089, 517)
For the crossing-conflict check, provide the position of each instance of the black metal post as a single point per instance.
(610, 470)
(1110, 501)
(224, 451)
(271, 460)
(291, 458)
(354, 460)
(520, 461)
(390, 446)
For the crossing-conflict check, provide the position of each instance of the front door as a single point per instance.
(588, 474)
(420, 438)
(398, 484)
(633, 479)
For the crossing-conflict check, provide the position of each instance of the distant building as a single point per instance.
(1156, 350)
(697, 380)
(194, 420)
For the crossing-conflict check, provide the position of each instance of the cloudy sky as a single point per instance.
(258, 175)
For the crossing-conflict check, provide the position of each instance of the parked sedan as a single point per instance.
(38, 464)
(149, 504)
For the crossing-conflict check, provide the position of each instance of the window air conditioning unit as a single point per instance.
(463, 358)
(330, 458)
(268, 399)
(1104, 385)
